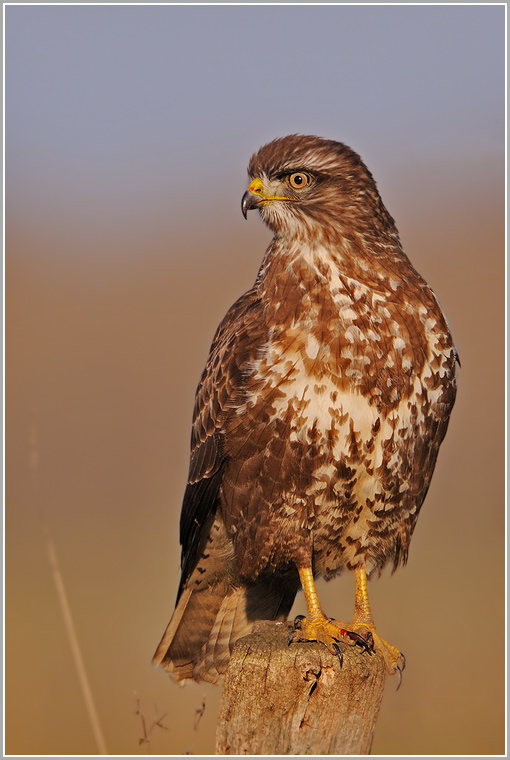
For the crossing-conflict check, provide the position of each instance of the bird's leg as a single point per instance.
(312, 600)
(362, 612)
(363, 624)
(318, 627)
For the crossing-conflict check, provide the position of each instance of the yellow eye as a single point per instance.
(298, 180)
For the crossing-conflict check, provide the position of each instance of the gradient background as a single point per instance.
(128, 130)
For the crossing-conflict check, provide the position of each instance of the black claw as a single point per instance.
(298, 624)
(338, 652)
(400, 670)
(366, 644)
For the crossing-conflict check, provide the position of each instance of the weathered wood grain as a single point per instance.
(298, 700)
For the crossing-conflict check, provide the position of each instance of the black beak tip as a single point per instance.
(245, 204)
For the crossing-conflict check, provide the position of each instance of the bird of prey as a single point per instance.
(318, 418)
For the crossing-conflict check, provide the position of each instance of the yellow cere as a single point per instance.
(257, 188)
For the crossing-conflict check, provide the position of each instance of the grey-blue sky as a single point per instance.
(126, 101)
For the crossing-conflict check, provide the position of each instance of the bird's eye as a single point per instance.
(298, 180)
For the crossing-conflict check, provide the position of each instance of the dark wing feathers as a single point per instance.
(220, 387)
(200, 500)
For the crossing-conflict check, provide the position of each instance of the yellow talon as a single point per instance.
(317, 627)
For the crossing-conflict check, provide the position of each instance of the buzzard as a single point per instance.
(318, 417)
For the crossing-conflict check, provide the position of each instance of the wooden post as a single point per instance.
(297, 699)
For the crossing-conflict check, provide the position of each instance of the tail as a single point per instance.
(206, 624)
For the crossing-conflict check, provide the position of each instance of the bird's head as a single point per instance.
(307, 186)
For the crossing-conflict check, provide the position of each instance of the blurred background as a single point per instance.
(128, 133)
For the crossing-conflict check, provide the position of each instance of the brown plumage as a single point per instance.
(318, 417)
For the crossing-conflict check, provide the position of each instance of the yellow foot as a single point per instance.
(393, 658)
(329, 632)
(323, 630)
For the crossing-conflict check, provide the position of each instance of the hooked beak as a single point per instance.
(249, 201)
(253, 197)
(257, 196)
